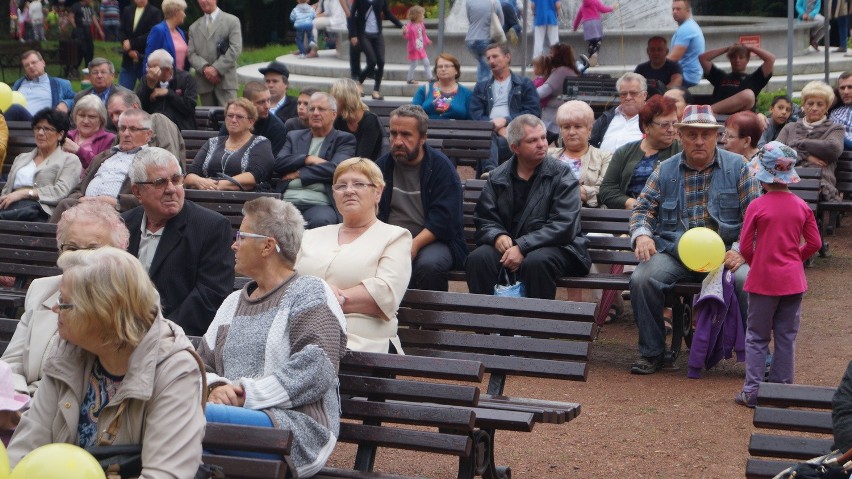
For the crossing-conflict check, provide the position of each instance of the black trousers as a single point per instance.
(318, 215)
(430, 268)
(355, 61)
(373, 46)
(538, 271)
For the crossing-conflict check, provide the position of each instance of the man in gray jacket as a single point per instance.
(215, 43)
(528, 218)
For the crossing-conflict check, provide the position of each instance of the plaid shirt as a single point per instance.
(697, 188)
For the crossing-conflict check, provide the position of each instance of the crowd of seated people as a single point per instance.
(365, 215)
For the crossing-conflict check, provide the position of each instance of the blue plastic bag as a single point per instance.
(507, 286)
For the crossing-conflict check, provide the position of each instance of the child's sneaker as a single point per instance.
(745, 399)
(301, 55)
(593, 60)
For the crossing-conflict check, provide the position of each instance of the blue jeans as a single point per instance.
(223, 414)
(650, 284)
(477, 49)
(127, 78)
(301, 34)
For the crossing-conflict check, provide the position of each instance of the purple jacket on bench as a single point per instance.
(719, 326)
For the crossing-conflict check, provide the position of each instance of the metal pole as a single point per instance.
(826, 7)
(790, 36)
(524, 61)
(441, 20)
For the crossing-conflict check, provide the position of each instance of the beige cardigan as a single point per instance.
(54, 178)
(593, 167)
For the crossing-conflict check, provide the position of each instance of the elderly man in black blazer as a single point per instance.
(185, 248)
(307, 162)
(134, 37)
(169, 91)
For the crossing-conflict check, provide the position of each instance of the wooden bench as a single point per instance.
(227, 203)
(831, 212)
(27, 251)
(264, 440)
(194, 140)
(511, 337)
(206, 117)
(783, 412)
(391, 401)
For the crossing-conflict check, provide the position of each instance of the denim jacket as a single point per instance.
(522, 99)
(723, 204)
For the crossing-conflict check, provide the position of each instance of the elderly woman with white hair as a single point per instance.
(120, 373)
(273, 351)
(168, 36)
(817, 139)
(88, 225)
(90, 136)
(589, 164)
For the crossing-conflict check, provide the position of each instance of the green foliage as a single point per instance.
(764, 99)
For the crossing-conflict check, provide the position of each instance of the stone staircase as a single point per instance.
(320, 72)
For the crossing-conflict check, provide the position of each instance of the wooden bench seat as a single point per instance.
(783, 409)
(264, 440)
(27, 251)
(511, 337)
(227, 203)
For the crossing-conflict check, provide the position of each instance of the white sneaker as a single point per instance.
(593, 60)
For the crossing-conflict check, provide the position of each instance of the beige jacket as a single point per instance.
(593, 167)
(34, 336)
(54, 178)
(162, 389)
(203, 49)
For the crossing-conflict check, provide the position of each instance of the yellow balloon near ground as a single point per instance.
(4, 463)
(5, 96)
(58, 461)
(18, 98)
(701, 249)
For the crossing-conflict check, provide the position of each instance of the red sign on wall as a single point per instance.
(750, 40)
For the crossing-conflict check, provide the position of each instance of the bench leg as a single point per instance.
(681, 327)
(481, 461)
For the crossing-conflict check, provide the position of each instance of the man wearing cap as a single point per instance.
(277, 78)
(701, 186)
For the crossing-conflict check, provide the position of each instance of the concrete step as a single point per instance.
(321, 72)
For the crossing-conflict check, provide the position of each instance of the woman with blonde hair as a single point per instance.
(239, 160)
(816, 138)
(366, 262)
(122, 373)
(168, 36)
(353, 116)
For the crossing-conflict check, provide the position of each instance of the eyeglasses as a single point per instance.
(234, 116)
(626, 94)
(133, 129)
(43, 129)
(162, 183)
(60, 306)
(65, 247)
(726, 135)
(241, 235)
(358, 187)
(664, 125)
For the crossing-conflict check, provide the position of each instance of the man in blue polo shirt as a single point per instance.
(687, 43)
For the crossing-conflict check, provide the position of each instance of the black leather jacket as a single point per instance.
(551, 216)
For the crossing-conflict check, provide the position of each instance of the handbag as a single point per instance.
(24, 210)
(507, 285)
(833, 465)
(497, 33)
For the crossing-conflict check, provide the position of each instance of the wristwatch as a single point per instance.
(30, 194)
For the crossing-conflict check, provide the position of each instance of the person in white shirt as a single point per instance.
(620, 125)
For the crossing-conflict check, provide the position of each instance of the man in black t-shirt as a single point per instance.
(84, 17)
(667, 73)
(736, 91)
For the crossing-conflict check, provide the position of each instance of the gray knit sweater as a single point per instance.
(284, 349)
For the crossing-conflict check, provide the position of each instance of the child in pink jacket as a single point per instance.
(415, 33)
(590, 15)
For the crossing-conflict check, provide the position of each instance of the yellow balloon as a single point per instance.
(18, 98)
(58, 461)
(4, 463)
(701, 249)
(5, 96)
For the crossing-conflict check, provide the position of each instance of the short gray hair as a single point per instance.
(127, 97)
(143, 115)
(94, 212)
(280, 221)
(515, 131)
(90, 103)
(98, 61)
(630, 76)
(163, 58)
(151, 156)
(332, 103)
(416, 112)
